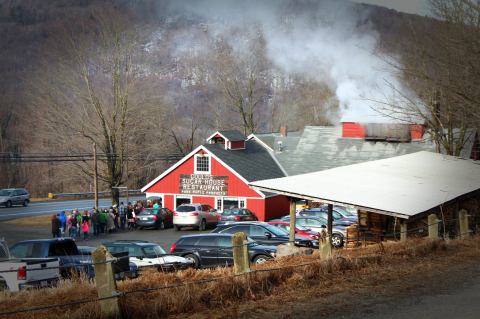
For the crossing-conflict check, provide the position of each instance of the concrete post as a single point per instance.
(241, 263)
(325, 246)
(293, 221)
(432, 226)
(403, 231)
(105, 283)
(463, 222)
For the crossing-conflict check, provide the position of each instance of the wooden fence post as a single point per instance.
(325, 246)
(403, 231)
(463, 221)
(241, 263)
(293, 221)
(105, 283)
(432, 226)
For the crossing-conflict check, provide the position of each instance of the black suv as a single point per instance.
(263, 233)
(210, 250)
(14, 196)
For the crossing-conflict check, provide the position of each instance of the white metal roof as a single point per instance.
(402, 186)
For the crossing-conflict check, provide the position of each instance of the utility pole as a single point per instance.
(95, 175)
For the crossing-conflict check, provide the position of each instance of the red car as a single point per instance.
(299, 231)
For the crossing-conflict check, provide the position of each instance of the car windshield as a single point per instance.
(348, 211)
(276, 230)
(149, 211)
(184, 209)
(5, 192)
(232, 211)
(301, 228)
(153, 251)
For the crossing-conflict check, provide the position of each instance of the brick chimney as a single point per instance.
(353, 130)
(416, 131)
(283, 131)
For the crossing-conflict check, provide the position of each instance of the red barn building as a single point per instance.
(218, 172)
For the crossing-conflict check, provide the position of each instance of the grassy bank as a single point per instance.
(219, 292)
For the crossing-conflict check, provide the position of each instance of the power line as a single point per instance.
(68, 157)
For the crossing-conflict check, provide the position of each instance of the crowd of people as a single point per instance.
(97, 222)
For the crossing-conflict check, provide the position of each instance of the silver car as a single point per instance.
(195, 215)
(14, 196)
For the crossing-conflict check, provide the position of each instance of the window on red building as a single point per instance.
(202, 164)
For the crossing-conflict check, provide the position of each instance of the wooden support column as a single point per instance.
(293, 220)
(241, 262)
(403, 230)
(432, 226)
(330, 221)
(463, 223)
(105, 283)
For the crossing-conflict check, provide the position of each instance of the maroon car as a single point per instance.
(299, 231)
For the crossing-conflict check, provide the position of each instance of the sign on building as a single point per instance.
(198, 184)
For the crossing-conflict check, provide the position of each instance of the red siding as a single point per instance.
(258, 207)
(237, 145)
(203, 200)
(276, 206)
(169, 202)
(352, 129)
(416, 131)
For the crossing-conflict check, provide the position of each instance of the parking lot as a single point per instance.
(13, 233)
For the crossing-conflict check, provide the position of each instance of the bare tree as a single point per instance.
(91, 93)
(442, 66)
(243, 79)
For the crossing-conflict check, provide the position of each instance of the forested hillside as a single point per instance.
(145, 79)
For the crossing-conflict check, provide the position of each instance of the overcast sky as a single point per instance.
(411, 6)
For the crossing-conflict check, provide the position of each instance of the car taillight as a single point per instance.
(194, 214)
(314, 236)
(175, 214)
(237, 217)
(155, 217)
(219, 217)
(172, 249)
(22, 273)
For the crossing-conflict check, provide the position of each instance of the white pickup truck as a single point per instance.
(22, 273)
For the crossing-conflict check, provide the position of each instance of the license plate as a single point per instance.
(144, 218)
(43, 283)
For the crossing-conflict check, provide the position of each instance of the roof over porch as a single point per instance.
(401, 186)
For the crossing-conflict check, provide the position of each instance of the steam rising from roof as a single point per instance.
(327, 41)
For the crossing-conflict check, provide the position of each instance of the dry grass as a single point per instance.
(31, 221)
(229, 293)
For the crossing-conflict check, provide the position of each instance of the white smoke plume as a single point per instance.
(327, 41)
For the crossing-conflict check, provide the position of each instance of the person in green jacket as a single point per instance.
(102, 221)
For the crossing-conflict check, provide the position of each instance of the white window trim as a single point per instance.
(209, 164)
(180, 196)
(219, 208)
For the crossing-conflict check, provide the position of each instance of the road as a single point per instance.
(45, 208)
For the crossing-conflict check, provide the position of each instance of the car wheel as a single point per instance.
(25, 203)
(8, 204)
(203, 225)
(337, 240)
(260, 259)
(140, 227)
(194, 259)
(162, 225)
(177, 228)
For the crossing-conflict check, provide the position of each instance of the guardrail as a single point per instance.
(91, 194)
